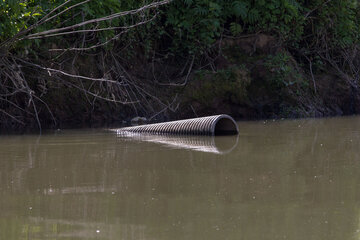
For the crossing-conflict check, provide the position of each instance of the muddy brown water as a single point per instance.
(297, 179)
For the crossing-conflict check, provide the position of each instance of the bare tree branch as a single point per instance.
(62, 12)
(116, 85)
(11, 116)
(92, 30)
(97, 20)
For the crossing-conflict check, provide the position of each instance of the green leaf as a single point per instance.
(235, 28)
(188, 2)
(240, 9)
(253, 16)
(201, 11)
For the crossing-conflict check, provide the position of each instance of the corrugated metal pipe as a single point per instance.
(213, 125)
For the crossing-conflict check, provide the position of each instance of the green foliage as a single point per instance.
(318, 65)
(336, 21)
(188, 27)
(283, 73)
(240, 9)
(196, 24)
(235, 28)
(228, 85)
(16, 15)
(19, 15)
(284, 18)
(309, 30)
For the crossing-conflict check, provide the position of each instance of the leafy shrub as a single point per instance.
(337, 22)
(16, 15)
(283, 73)
(228, 85)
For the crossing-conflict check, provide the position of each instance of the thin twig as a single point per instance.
(106, 18)
(11, 116)
(65, 10)
(187, 75)
(312, 10)
(311, 73)
(87, 31)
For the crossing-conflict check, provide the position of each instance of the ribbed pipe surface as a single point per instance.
(212, 125)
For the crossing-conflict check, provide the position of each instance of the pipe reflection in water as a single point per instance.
(211, 125)
(211, 144)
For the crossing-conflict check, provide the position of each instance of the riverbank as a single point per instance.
(253, 78)
(257, 81)
(248, 60)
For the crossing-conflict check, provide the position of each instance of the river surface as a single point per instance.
(290, 179)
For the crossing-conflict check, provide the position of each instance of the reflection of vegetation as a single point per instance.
(38, 228)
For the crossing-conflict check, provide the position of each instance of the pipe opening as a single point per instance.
(225, 126)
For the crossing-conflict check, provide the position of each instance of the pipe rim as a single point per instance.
(223, 116)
